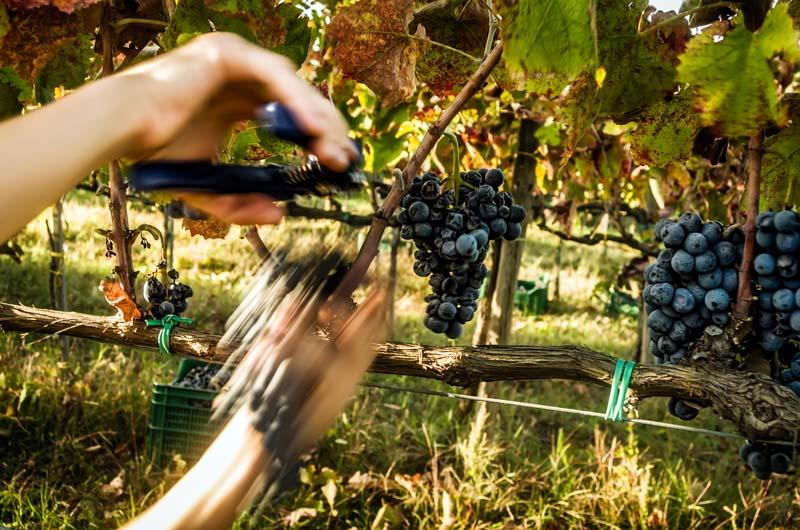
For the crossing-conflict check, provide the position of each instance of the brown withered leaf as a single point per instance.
(36, 35)
(116, 296)
(210, 228)
(372, 46)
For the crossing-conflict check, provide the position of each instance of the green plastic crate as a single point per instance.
(621, 303)
(179, 420)
(531, 296)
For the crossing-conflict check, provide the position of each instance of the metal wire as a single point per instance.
(565, 410)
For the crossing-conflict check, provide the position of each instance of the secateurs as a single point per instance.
(279, 181)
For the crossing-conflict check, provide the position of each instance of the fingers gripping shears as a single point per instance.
(279, 181)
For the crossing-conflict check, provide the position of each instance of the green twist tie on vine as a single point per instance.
(167, 323)
(619, 389)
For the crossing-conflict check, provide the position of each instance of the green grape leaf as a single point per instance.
(13, 93)
(548, 84)
(279, 28)
(382, 151)
(274, 147)
(372, 46)
(780, 169)
(664, 133)
(577, 110)
(298, 34)
(246, 147)
(732, 79)
(638, 71)
(548, 35)
(67, 69)
(549, 134)
(189, 20)
(256, 20)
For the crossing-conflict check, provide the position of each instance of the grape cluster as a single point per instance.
(171, 299)
(179, 210)
(691, 286)
(791, 376)
(452, 236)
(765, 459)
(777, 267)
(681, 410)
(200, 377)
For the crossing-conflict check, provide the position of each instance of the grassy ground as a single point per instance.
(72, 432)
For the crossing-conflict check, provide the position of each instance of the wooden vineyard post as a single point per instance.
(58, 282)
(521, 184)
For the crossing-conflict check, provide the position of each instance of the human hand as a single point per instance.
(193, 95)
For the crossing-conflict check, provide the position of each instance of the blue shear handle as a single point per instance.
(205, 177)
(279, 122)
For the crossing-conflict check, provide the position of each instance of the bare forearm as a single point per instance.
(46, 152)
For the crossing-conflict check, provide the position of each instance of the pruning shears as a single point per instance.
(279, 181)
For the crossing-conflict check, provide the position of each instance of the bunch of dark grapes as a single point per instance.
(179, 210)
(169, 299)
(452, 240)
(777, 267)
(765, 459)
(200, 377)
(691, 286)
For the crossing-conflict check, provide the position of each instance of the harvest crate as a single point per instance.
(531, 296)
(179, 420)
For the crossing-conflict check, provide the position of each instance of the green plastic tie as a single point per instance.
(619, 389)
(167, 323)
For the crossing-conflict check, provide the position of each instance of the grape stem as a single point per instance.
(744, 297)
(455, 172)
(369, 249)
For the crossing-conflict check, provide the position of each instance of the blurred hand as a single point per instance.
(194, 94)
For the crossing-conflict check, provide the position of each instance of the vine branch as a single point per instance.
(597, 239)
(369, 249)
(744, 297)
(759, 407)
(117, 203)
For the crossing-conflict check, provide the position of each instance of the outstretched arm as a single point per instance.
(178, 105)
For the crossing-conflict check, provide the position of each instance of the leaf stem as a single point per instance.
(427, 41)
(684, 14)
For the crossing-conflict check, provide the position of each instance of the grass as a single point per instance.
(72, 433)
